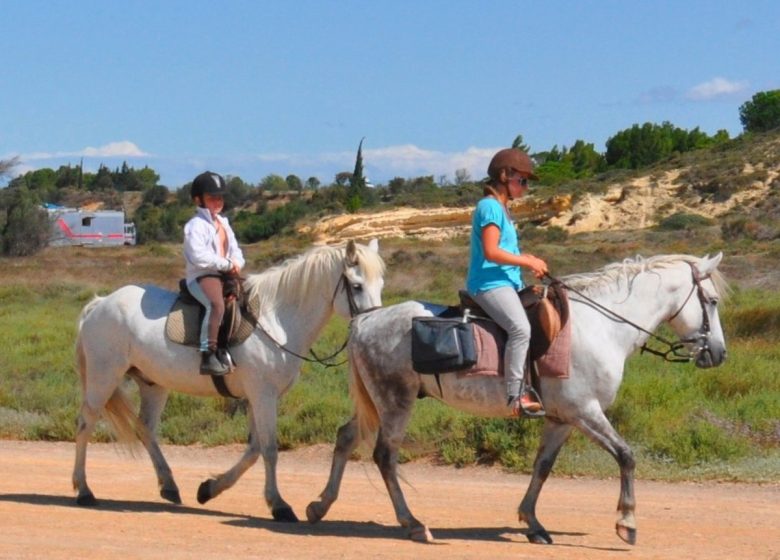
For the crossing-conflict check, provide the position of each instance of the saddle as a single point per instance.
(547, 308)
(186, 316)
(471, 343)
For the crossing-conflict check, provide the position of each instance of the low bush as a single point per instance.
(684, 221)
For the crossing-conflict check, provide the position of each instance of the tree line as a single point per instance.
(259, 211)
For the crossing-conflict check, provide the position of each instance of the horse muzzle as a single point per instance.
(707, 357)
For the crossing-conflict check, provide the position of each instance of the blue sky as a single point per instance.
(253, 88)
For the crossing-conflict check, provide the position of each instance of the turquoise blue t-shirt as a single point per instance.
(485, 275)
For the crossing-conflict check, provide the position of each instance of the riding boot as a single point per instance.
(211, 365)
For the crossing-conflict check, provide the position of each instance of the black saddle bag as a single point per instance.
(442, 344)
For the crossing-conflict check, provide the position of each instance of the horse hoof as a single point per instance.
(420, 534)
(628, 534)
(314, 512)
(539, 537)
(87, 500)
(204, 491)
(284, 514)
(172, 496)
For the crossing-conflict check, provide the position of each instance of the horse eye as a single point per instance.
(357, 287)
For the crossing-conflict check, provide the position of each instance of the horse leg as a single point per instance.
(93, 402)
(213, 487)
(153, 399)
(265, 429)
(85, 424)
(262, 440)
(386, 458)
(346, 442)
(554, 435)
(598, 429)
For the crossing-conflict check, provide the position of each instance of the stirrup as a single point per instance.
(524, 412)
(210, 364)
(530, 392)
(224, 356)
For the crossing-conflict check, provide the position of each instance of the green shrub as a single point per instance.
(684, 221)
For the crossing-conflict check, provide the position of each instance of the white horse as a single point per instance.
(680, 290)
(124, 334)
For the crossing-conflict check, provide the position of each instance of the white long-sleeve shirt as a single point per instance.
(201, 246)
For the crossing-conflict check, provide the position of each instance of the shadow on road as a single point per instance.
(346, 529)
(115, 506)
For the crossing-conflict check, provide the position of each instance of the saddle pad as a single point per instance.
(555, 358)
(490, 340)
(184, 319)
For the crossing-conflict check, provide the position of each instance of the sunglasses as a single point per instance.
(523, 181)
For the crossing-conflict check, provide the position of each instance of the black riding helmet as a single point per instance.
(208, 183)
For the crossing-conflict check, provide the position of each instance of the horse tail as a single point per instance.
(92, 304)
(81, 358)
(365, 409)
(123, 419)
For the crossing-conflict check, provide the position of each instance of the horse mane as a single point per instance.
(297, 277)
(628, 269)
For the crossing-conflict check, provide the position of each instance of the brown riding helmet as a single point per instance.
(511, 158)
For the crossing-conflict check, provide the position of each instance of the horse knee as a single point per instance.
(544, 467)
(383, 456)
(626, 459)
(345, 438)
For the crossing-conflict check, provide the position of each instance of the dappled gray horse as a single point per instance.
(123, 334)
(680, 290)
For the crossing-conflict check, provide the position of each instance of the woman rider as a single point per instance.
(494, 275)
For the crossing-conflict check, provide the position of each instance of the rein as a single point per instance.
(677, 352)
(354, 311)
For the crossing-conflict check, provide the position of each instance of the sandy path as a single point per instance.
(470, 511)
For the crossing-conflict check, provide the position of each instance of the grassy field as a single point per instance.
(683, 423)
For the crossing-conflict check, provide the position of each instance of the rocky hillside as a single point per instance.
(712, 183)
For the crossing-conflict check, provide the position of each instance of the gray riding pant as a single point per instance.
(504, 307)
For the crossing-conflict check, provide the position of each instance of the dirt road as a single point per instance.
(471, 512)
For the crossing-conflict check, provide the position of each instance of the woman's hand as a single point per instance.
(537, 266)
(235, 269)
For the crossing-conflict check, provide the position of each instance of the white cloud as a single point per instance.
(409, 159)
(716, 88)
(123, 148)
(115, 149)
(406, 160)
(380, 164)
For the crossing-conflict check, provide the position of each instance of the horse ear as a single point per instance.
(351, 255)
(374, 245)
(709, 264)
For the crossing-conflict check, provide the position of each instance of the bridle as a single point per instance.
(348, 287)
(701, 340)
(354, 311)
(677, 350)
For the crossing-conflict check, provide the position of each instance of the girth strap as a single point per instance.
(221, 386)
